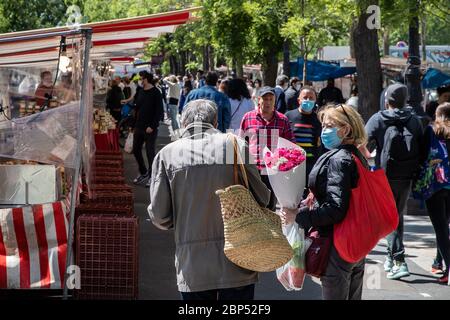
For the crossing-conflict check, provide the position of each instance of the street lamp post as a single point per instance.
(412, 73)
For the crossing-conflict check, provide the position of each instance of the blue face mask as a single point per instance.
(330, 138)
(308, 105)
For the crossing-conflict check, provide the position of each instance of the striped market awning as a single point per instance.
(111, 39)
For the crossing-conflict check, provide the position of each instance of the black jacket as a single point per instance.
(291, 97)
(378, 124)
(331, 180)
(281, 100)
(113, 98)
(149, 107)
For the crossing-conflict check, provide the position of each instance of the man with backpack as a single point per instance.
(396, 133)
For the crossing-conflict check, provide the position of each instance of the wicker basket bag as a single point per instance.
(253, 236)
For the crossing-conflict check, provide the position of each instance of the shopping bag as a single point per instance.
(318, 254)
(371, 216)
(129, 143)
(254, 239)
(292, 274)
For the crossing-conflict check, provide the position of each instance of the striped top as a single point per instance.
(307, 130)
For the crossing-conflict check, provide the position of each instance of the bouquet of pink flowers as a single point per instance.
(284, 159)
(286, 168)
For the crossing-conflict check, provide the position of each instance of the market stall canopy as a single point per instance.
(319, 70)
(434, 79)
(111, 39)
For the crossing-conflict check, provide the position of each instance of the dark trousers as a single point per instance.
(116, 114)
(401, 190)
(273, 200)
(240, 293)
(139, 138)
(438, 207)
(342, 280)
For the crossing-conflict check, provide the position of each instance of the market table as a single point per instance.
(113, 138)
(107, 141)
(102, 141)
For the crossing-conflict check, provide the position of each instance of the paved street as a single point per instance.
(157, 272)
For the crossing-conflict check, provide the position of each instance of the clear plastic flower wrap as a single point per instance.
(286, 169)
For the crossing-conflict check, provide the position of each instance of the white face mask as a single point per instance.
(140, 83)
(298, 87)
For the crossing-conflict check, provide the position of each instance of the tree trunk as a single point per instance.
(205, 58)
(211, 58)
(368, 65)
(183, 62)
(239, 68)
(173, 64)
(412, 75)
(423, 36)
(305, 61)
(233, 65)
(286, 58)
(270, 67)
(386, 42)
(351, 39)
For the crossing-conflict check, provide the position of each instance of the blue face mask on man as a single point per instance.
(330, 138)
(308, 105)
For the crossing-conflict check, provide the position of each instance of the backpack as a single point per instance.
(400, 154)
(433, 176)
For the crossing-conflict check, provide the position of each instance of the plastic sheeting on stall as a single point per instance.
(47, 137)
(435, 78)
(319, 70)
(50, 136)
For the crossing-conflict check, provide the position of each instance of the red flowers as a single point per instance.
(284, 159)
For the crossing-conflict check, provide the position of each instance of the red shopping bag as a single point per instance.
(372, 215)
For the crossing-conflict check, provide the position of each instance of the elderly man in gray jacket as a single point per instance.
(185, 176)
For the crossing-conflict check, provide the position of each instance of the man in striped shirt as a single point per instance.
(306, 126)
(263, 127)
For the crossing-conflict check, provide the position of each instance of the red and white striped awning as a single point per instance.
(110, 39)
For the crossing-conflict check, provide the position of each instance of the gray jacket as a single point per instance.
(185, 177)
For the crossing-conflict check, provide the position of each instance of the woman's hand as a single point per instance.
(364, 151)
(288, 215)
(309, 201)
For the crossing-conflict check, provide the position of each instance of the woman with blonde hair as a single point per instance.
(330, 182)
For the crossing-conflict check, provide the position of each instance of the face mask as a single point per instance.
(330, 138)
(308, 105)
(298, 87)
(285, 87)
(140, 83)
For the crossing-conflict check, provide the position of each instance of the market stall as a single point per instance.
(63, 169)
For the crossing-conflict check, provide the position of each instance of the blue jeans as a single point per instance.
(240, 293)
(173, 116)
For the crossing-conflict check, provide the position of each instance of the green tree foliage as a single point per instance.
(18, 15)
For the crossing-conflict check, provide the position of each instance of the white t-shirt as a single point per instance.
(174, 90)
(133, 88)
(238, 110)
